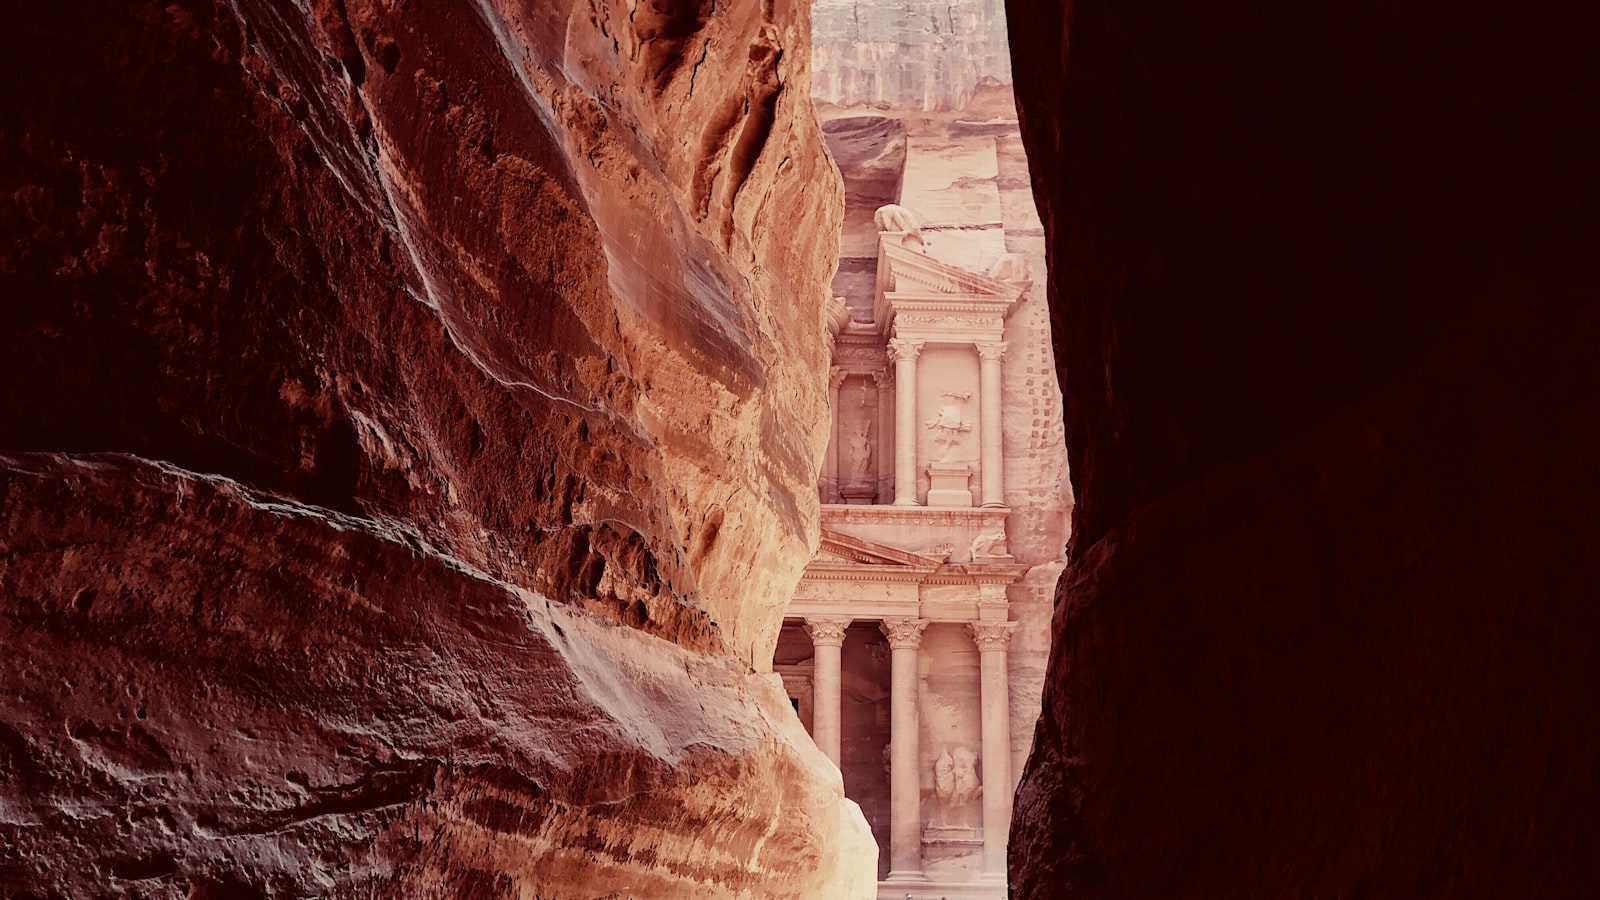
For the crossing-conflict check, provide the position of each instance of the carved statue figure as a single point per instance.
(955, 777)
(1011, 267)
(861, 453)
(949, 423)
(990, 543)
(898, 219)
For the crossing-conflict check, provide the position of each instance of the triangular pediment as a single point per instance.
(906, 270)
(842, 549)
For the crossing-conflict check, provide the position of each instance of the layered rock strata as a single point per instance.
(1323, 283)
(413, 416)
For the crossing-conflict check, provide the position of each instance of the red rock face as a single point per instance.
(369, 366)
(1325, 326)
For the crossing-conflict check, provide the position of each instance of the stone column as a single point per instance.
(995, 701)
(885, 470)
(905, 353)
(993, 460)
(905, 777)
(830, 469)
(827, 641)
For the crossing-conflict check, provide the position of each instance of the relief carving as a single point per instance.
(955, 777)
(989, 543)
(949, 423)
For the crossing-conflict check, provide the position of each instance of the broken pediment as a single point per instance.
(843, 549)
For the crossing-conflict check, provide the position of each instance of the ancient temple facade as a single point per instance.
(915, 643)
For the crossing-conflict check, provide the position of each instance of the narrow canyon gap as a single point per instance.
(1324, 285)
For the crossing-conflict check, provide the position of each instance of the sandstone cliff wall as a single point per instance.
(411, 421)
(907, 54)
(1323, 283)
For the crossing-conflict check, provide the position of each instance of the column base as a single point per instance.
(994, 504)
(905, 501)
(992, 878)
(903, 876)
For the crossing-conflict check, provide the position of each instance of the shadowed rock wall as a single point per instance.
(412, 417)
(1324, 291)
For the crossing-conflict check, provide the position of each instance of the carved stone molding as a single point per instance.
(903, 633)
(991, 635)
(904, 348)
(827, 631)
(857, 352)
(995, 350)
(917, 515)
(909, 321)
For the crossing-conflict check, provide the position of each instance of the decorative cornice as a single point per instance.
(904, 349)
(959, 516)
(991, 635)
(991, 350)
(903, 633)
(827, 631)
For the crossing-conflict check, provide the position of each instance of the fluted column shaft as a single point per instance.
(905, 353)
(830, 478)
(827, 643)
(995, 701)
(905, 789)
(993, 460)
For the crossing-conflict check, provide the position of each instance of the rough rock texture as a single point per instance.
(370, 369)
(1324, 284)
(907, 54)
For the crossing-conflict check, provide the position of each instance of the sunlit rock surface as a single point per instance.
(412, 417)
(1324, 282)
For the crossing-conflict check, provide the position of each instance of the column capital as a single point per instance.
(836, 377)
(991, 635)
(883, 378)
(991, 350)
(827, 631)
(903, 633)
(904, 348)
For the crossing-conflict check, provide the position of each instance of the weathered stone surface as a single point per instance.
(1323, 286)
(351, 711)
(907, 54)
(363, 360)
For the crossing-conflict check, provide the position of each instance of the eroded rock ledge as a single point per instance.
(354, 712)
